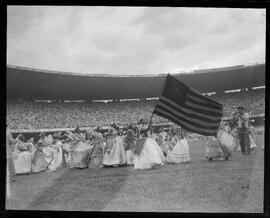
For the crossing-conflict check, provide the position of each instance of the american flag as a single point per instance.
(188, 108)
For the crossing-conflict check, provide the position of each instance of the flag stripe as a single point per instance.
(200, 96)
(202, 107)
(185, 125)
(191, 91)
(203, 102)
(196, 110)
(190, 117)
(199, 124)
(187, 111)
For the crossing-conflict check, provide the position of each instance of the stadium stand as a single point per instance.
(23, 114)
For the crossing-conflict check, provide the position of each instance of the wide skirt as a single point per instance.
(57, 159)
(130, 157)
(38, 162)
(80, 156)
(226, 142)
(23, 162)
(180, 152)
(117, 155)
(252, 142)
(96, 157)
(151, 155)
(213, 151)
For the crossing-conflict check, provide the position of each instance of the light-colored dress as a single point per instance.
(151, 155)
(56, 160)
(38, 161)
(96, 154)
(129, 143)
(178, 151)
(79, 155)
(213, 150)
(114, 153)
(226, 142)
(23, 157)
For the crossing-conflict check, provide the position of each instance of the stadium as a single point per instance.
(121, 99)
(49, 101)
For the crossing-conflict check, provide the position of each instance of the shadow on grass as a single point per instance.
(81, 189)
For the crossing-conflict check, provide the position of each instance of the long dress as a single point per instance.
(226, 142)
(252, 142)
(164, 143)
(114, 153)
(57, 157)
(9, 152)
(178, 151)
(79, 155)
(151, 155)
(38, 161)
(236, 140)
(252, 137)
(213, 150)
(96, 154)
(23, 157)
(129, 146)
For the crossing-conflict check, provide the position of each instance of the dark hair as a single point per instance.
(21, 137)
(240, 108)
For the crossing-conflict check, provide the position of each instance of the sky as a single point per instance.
(133, 40)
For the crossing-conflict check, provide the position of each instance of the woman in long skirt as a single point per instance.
(10, 141)
(178, 149)
(147, 154)
(38, 161)
(129, 142)
(252, 137)
(213, 150)
(96, 154)
(114, 152)
(23, 156)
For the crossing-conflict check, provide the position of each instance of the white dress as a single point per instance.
(115, 153)
(252, 142)
(226, 140)
(151, 155)
(179, 153)
(57, 158)
(23, 159)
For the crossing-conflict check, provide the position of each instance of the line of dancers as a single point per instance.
(136, 146)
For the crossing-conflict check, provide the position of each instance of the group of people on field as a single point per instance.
(137, 146)
(237, 135)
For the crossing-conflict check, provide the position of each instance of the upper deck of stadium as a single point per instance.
(44, 84)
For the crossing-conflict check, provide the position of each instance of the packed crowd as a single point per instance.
(38, 115)
(253, 101)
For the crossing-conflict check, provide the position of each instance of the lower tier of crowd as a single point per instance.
(22, 114)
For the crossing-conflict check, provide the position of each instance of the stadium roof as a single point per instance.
(43, 84)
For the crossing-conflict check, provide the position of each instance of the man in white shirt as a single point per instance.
(243, 130)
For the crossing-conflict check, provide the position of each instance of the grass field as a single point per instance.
(199, 186)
